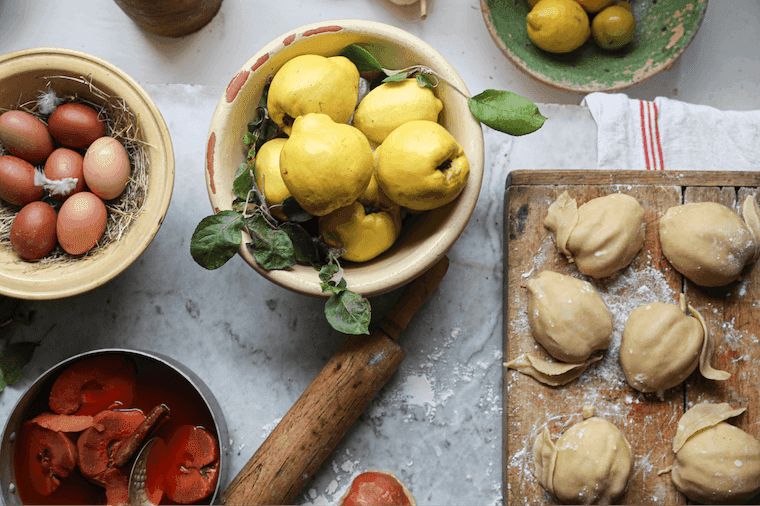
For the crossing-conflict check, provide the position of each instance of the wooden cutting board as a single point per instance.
(649, 421)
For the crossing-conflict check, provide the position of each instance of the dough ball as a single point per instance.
(602, 236)
(568, 316)
(590, 464)
(716, 462)
(707, 242)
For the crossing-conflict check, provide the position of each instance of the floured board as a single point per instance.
(649, 421)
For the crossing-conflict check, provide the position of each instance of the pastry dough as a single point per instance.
(602, 236)
(709, 243)
(591, 462)
(716, 462)
(662, 346)
(568, 317)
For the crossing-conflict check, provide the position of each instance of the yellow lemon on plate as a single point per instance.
(558, 26)
(393, 104)
(613, 28)
(325, 165)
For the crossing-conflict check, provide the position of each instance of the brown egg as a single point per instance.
(81, 222)
(106, 168)
(63, 163)
(25, 136)
(33, 231)
(76, 125)
(17, 181)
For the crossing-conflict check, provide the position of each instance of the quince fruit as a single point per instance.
(592, 6)
(325, 165)
(614, 27)
(362, 235)
(421, 166)
(313, 84)
(268, 177)
(393, 104)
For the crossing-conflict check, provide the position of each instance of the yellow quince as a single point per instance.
(362, 235)
(392, 104)
(268, 177)
(325, 165)
(421, 166)
(313, 84)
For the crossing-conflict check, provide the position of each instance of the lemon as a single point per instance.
(313, 84)
(592, 6)
(421, 166)
(614, 27)
(558, 26)
(325, 165)
(268, 178)
(392, 104)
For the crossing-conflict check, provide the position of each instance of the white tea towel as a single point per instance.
(667, 134)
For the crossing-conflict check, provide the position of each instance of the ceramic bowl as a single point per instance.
(419, 246)
(23, 74)
(663, 32)
(152, 369)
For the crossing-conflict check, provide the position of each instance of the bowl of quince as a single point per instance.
(342, 155)
(582, 46)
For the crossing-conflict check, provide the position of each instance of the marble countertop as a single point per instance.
(437, 422)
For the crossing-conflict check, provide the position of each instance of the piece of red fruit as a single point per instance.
(97, 447)
(92, 385)
(193, 465)
(375, 488)
(48, 457)
(63, 423)
(117, 487)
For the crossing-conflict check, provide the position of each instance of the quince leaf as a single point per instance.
(348, 312)
(362, 58)
(425, 81)
(13, 358)
(506, 112)
(272, 248)
(243, 182)
(327, 274)
(304, 248)
(394, 78)
(293, 210)
(216, 239)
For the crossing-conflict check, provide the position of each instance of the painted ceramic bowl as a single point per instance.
(663, 32)
(155, 379)
(23, 75)
(433, 233)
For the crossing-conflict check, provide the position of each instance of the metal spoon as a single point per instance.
(137, 476)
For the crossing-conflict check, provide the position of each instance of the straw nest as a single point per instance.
(121, 124)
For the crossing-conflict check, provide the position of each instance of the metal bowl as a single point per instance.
(171, 371)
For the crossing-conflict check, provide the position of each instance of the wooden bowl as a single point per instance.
(663, 32)
(23, 74)
(419, 246)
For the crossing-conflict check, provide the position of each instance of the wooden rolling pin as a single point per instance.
(315, 424)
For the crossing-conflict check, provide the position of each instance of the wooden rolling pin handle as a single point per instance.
(315, 424)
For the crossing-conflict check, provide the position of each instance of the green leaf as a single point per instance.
(400, 76)
(348, 312)
(506, 112)
(293, 210)
(427, 81)
(304, 247)
(272, 248)
(326, 273)
(13, 358)
(362, 58)
(243, 182)
(216, 239)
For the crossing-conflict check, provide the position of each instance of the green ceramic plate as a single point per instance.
(664, 29)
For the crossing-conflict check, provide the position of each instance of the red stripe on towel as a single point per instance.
(644, 133)
(657, 135)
